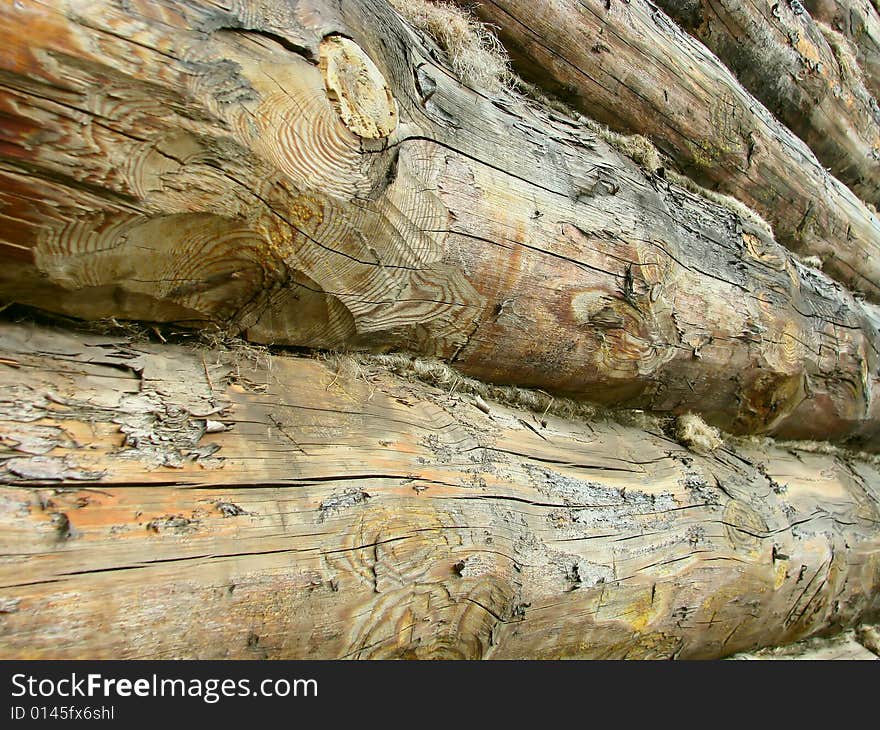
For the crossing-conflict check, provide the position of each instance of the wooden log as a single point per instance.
(859, 22)
(803, 73)
(168, 501)
(222, 167)
(631, 67)
(843, 646)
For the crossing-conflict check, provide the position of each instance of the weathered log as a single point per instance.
(803, 74)
(859, 22)
(250, 182)
(169, 501)
(629, 66)
(844, 646)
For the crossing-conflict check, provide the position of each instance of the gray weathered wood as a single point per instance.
(804, 74)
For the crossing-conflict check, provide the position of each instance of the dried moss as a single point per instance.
(249, 360)
(812, 261)
(732, 204)
(869, 637)
(694, 433)
(637, 147)
(480, 60)
(845, 55)
(645, 154)
(434, 372)
(475, 54)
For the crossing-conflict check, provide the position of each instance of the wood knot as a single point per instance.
(389, 548)
(447, 620)
(743, 526)
(357, 88)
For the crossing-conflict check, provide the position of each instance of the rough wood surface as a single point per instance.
(167, 501)
(803, 72)
(859, 22)
(839, 647)
(628, 65)
(316, 179)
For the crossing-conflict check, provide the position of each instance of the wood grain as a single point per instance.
(633, 68)
(177, 163)
(165, 501)
(803, 72)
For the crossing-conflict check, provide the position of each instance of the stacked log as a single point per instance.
(803, 72)
(628, 65)
(859, 23)
(409, 213)
(241, 505)
(325, 177)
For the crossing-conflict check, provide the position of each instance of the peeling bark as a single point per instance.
(359, 515)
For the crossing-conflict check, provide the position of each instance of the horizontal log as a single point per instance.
(858, 21)
(247, 184)
(631, 67)
(845, 646)
(803, 73)
(235, 504)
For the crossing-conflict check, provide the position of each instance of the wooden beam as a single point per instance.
(805, 73)
(631, 67)
(170, 501)
(221, 168)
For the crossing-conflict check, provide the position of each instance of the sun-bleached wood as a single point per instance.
(233, 504)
